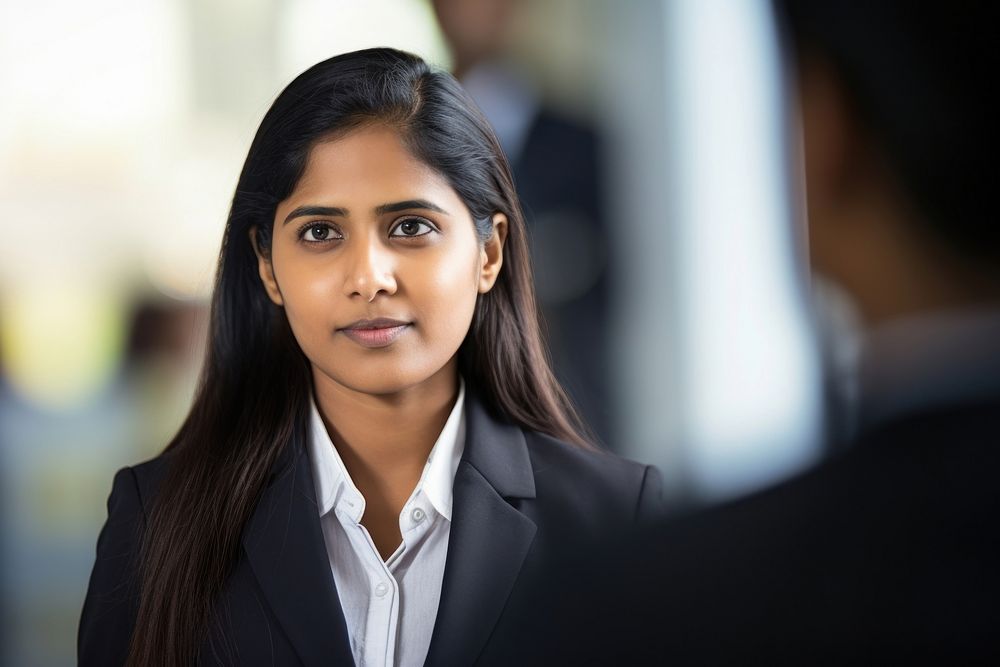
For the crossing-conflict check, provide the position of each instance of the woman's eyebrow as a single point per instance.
(408, 204)
(332, 211)
(382, 209)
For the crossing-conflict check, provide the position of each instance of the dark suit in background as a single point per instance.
(517, 497)
(559, 181)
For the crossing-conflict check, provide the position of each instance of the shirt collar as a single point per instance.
(438, 478)
(332, 481)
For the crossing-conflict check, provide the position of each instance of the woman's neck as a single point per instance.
(384, 442)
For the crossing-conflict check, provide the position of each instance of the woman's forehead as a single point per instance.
(367, 167)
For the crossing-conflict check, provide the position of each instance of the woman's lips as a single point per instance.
(375, 335)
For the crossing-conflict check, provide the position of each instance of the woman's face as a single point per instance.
(376, 261)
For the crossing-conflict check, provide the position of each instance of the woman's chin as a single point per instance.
(374, 381)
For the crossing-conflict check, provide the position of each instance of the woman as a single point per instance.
(378, 456)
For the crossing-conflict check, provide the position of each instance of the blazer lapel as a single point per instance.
(285, 547)
(489, 538)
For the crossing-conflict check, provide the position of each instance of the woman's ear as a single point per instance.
(266, 270)
(491, 254)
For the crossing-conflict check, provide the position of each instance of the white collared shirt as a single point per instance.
(390, 606)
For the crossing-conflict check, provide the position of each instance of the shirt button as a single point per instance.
(417, 515)
(381, 589)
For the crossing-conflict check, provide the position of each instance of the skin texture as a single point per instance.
(383, 407)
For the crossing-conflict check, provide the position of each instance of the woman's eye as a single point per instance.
(411, 227)
(319, 232)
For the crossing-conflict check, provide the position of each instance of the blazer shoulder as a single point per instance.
(149, 475)
(595, 477)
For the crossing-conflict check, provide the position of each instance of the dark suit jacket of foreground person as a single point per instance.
(518, 495)
(888, 553)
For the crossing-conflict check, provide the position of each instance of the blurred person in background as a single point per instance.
(378, 456)
(556, 164)
(889, 550)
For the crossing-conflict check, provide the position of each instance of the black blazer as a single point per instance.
(518, 497)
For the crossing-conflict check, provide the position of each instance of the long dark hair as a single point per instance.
(253, 398)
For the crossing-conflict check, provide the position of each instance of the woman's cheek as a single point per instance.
(459, 311)
(309, 305)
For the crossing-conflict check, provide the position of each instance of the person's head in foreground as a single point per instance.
(898, 121)
(898, 130)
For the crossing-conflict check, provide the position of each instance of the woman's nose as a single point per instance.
(370, 270)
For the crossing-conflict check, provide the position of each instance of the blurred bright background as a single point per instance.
(672, 277)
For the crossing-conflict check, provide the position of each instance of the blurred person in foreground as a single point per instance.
(889, 550)
(555, 160)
